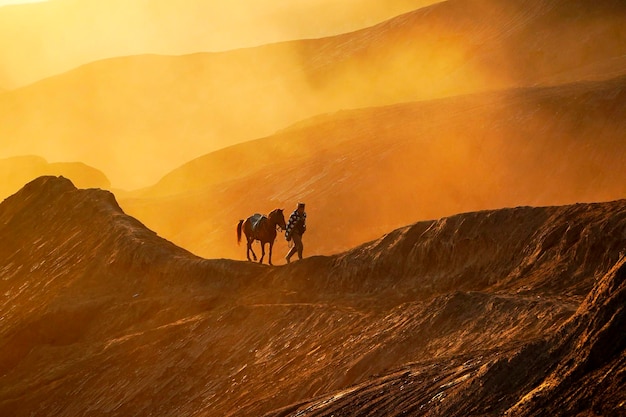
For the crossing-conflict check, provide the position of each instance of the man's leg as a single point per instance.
(297, 247)
(291, 251)
(297, 244)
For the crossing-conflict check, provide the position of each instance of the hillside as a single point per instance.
(367, 171)
(139, 117)
(17, 171)
(577, 370)
(103, 317)
(71, 29)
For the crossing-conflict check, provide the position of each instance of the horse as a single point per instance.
(263, 229)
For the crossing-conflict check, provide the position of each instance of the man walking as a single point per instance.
(296, 226)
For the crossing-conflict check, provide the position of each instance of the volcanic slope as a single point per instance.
(367, 171)
(100, 316)
(578, 370)
(172, 109)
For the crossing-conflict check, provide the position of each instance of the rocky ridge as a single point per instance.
(487, 311)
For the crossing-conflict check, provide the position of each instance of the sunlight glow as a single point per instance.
(11, 2)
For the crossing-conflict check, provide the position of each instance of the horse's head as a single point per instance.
(277, 218)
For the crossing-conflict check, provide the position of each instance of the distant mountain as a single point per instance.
(79, 32)
(17, 171)
(366, 171)
(139, 117)
(515, 309)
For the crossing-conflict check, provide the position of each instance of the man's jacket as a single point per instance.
(296, 224)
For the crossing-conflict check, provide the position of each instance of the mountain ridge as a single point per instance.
(136, 318)
(198, 177)
(171, 31)
(532, 146)
(202, 99)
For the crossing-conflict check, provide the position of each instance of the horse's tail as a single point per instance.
(239, 232)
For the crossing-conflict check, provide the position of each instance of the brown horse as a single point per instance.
(263, 229)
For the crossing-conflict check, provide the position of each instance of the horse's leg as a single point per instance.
(271, 246)
(250, 242)
(262, 252)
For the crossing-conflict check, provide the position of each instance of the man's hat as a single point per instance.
(300, 205)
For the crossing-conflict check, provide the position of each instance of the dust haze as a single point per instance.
(431, 159)
(62, 34)
(476, 136)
